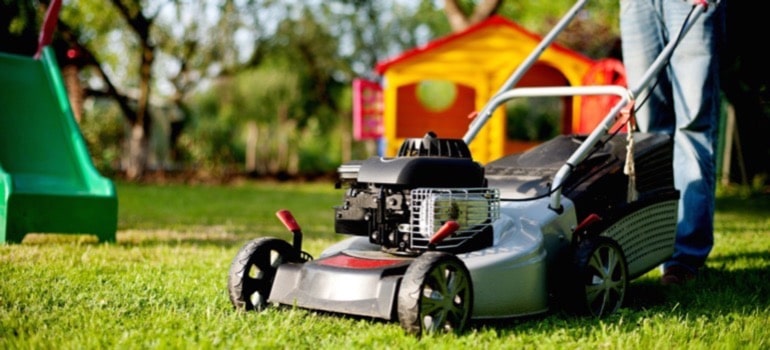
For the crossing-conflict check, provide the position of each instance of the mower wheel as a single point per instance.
(600, 277)
(436, 295)
(253, 270)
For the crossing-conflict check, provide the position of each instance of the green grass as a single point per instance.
(163, 285)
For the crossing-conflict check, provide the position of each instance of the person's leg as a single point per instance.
(695, 87)
(643, 37)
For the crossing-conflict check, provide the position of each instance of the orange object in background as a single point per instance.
(608, 71)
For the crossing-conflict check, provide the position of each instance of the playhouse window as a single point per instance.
(441, 106)
(436, 95)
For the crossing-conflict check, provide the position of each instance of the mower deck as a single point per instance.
(356, 283)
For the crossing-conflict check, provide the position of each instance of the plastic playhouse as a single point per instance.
(475, 62)
(48, 183)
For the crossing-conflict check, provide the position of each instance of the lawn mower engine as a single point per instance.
(399, 203)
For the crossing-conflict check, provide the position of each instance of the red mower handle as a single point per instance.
(288, 220)
(291, 224)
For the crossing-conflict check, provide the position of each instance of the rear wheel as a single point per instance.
(436, 295)
(253, 271)
(600, 277)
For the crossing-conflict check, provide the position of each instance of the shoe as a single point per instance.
(676, 275)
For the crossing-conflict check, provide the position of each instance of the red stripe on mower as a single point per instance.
(351, 262)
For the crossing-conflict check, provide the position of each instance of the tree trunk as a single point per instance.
(138, 146)
(137, 152)
(74, 90)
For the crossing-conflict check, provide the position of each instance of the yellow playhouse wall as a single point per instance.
(489, 143)
(470, 62)
(479, 147)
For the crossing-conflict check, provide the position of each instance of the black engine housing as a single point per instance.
(377, 199)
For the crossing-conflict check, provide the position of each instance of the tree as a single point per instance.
(179, 35)
(197, 39)
(594, 32)
(89, 34)
(140, 24)
(461, 18)
(137, 51)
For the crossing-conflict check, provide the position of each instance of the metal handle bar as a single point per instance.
(654, 69)
(486, 112)
(585, 148)
(626, 95)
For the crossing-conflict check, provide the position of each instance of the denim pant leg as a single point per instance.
(686, 102)
(697, 106)
(643, 37)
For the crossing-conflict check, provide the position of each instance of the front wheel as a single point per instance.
(600, 277)
(436, 295)
(253, 271)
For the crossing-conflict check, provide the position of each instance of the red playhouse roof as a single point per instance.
(491, 22)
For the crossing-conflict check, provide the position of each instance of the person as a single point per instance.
(684, 101)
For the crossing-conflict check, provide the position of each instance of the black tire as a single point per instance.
(436, 295)
(600, 277)
(253, 270)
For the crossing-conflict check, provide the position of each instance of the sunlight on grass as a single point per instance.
(163, 285)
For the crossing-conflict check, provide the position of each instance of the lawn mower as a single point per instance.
(438, 240)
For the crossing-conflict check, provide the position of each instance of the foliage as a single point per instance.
(18, 27)
(594, 32)
(323, 45)
(206, 147)
(319, 151)
(268, 97)
(533, 119)
(162, 285)
(108, 30)
(102, 126)
(264, 95)
(370, 31)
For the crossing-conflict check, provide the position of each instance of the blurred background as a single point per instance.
(216, 90)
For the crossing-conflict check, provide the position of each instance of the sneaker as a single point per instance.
(676, 275)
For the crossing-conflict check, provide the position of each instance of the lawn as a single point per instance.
(163, 285)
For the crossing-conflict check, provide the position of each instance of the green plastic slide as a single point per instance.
(48, 183)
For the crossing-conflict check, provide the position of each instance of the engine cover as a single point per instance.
(378, 198)
(425, 162)
(413, 172)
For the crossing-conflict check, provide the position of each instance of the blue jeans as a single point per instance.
(685, 102)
